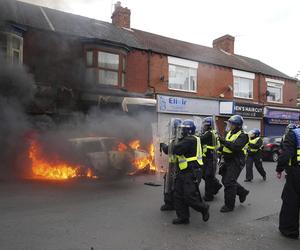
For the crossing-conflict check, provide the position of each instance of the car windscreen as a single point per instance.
(89, 147)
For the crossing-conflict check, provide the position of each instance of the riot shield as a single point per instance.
(216, 140)
(172, 159)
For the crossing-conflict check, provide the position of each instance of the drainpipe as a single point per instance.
(149, 73)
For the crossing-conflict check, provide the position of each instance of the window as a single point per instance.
(3, 43)
(109, 68)
(182, 74)
(274, 90)
(243, 84)
(89, 58)
(243, 87)
(12, 47)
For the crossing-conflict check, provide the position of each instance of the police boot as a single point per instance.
(205, 215)
(291, 236)
(243, 196)
(166, 207)
(179, 221)
(226, 209)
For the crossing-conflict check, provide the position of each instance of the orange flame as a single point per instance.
(135, 144)
(147, 161)
(52, 170)
(122, 147)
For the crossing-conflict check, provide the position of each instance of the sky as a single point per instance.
(267, 30)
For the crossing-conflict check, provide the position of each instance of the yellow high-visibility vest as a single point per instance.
(253, 142)
(183, 161)
(211, 147)
(231, 138)
(297, 134)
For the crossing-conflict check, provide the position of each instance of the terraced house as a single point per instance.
(79, 62)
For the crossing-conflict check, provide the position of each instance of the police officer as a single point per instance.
(173, 166)
(254, 155)
(289, 160)
(187, 180)
(233, 153)
(210, 143)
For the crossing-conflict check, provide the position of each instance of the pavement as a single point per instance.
(124, 214)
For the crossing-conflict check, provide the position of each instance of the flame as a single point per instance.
(122, 147)
(147, 161)
(135, 144)
(52, 170)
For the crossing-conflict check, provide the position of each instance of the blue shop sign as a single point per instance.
(283, 117)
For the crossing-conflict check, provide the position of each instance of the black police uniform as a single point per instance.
(233, 165)
(169, 179)
(255, 157)
(187, 181)
(212, 184)
(289, 214)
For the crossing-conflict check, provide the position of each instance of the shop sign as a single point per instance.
(183, 105)
(283, 115)
(279, 122)
(243, 109)
(248, 110)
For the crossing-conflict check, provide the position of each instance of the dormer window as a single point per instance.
(107, 68)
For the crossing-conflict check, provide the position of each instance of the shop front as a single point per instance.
(182, 107)
(252, 114)
(276, 119)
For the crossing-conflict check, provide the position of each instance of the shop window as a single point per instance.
(182, 75)
(106, 68)
(274, 90)
(243, 84)
(11, 46)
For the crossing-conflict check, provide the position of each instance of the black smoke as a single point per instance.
(16, 92)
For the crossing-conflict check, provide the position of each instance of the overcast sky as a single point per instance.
(268, 30)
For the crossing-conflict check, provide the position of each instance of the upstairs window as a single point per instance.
(106, 68)
(243, 84)
(11, 46)
(182, 74)
(274, 90)
(3, 43)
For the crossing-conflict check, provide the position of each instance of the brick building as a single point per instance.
(80, 62)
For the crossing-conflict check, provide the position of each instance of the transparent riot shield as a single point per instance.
(173, 162)
(216, 141)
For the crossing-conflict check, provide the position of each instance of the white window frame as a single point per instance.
(245, 75)
(186, 64)
(275, 84)
(9, 47)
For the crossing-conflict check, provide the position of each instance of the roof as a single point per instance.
(53, 20)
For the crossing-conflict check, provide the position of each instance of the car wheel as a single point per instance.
(275, 156)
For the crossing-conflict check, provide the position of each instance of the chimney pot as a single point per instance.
(225, 43)
(121, 16)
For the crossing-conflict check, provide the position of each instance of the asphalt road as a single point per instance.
(125, 214)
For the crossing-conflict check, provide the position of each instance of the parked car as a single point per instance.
(271, 148)
(102, 155)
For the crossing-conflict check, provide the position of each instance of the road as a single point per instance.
(124, 214)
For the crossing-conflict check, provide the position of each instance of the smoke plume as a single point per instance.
(16, 92)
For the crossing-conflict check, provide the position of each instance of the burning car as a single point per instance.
(92, 157)
(106, 155)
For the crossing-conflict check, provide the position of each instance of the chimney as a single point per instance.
(121, 16)
(225, 43)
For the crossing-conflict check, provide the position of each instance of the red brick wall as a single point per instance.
(137, 71)
(289, 93)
